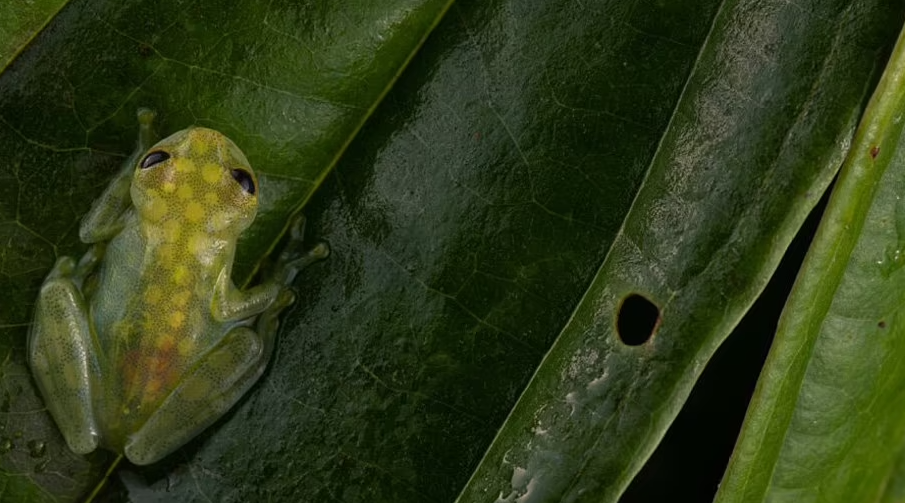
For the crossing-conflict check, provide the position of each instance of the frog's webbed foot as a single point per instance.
(230, 304)
(293, 258)
(60, 350)
(67, 268)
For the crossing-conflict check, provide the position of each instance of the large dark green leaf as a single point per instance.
(537, 159)
(749, 145)
(290, 82)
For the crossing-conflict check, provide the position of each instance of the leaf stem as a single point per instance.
(103, 481)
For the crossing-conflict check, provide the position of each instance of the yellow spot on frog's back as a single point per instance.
(198, 243)
(220, 221)
(211, 198)
(181, 298)
(172, 230)
(185, 347)
(168, 187)
(176, 319)
(155, 209)
(200, 146)
(194, 212)
(153, 295)
(166, 342)
(212, 173)
(167, 252)
(185, 192)
(184, 165)
(180, 275)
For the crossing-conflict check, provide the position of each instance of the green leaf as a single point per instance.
(757, 132)
(535, 162)
(292, 83)
(826, 421)
(20, 21)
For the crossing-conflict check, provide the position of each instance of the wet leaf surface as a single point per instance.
(535, 163)
(825, 422)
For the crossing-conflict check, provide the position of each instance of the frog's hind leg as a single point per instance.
(217, 382)
(61, 355)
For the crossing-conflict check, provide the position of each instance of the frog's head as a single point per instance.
(196, 178)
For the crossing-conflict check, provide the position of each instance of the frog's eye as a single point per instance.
(245, 180)
(154, 158)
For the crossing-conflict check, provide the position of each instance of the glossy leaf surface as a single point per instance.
(467, 220)
(730, 182)
(291, 83)
(826, 421)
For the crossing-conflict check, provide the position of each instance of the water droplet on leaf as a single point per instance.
(37, 448)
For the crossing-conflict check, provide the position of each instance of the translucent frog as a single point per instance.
(146, 341)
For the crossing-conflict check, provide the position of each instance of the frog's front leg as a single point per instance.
(232, 304)
(61, 351)
(104, 219)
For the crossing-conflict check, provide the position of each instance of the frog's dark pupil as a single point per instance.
(154, 158)
(244, 179)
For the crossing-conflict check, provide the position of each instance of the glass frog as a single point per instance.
(146, 341)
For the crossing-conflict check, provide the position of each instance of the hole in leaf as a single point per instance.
(709, 422)
(637, 320)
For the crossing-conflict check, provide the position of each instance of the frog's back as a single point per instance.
(192, 196)
(153, 321)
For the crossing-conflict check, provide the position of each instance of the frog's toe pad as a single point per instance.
(146, 115)
(140, 455)
(297, 227)
(63, 268)
(286, 299)
(321, 251)
(81, 442)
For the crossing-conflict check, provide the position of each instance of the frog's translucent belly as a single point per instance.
(152, 319)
